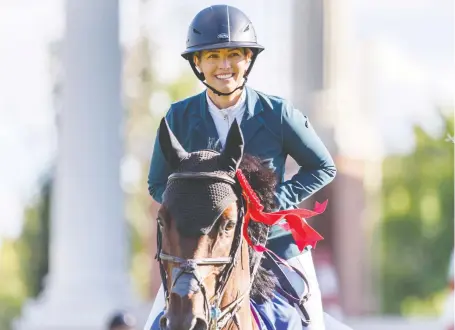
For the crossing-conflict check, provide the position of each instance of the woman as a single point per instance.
(221, 50)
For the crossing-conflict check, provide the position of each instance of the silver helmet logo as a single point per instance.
(223, 36)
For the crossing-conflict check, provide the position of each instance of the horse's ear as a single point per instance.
(172, 149)
(232, 154)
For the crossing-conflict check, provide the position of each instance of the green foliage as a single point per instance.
(183, 87)
(418, 224)
(12, 289)
(24, 262)
(33, 245)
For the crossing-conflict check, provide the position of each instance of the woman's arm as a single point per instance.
(158, 173)
(159, 168)
(317, 168)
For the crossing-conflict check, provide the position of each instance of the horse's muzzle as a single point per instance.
(187, 322)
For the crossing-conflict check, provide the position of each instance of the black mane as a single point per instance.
(263, 182)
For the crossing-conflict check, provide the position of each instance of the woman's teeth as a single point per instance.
(225, 76)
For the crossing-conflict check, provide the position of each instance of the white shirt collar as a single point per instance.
(238, 106)
(223, 118)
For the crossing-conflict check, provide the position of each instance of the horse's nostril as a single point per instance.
(201, 324)
(164, 324)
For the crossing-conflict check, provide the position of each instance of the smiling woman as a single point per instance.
(224, 69)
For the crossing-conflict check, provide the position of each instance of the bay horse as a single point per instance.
(208, 270)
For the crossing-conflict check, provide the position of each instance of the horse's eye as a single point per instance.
(229, 225)
(160, 222)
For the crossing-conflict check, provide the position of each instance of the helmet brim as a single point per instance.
(228, 44)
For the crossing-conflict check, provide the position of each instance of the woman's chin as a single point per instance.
(225, 88)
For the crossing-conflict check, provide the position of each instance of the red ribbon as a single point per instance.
(301, 231)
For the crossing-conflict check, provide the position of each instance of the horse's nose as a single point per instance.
(164, 323)
(189, 323)
(201, 324)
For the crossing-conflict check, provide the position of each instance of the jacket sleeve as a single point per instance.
(159, 170)
(317, 168)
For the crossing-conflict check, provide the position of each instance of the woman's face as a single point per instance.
(223, 68)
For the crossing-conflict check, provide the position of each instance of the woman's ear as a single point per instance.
(248, 54)
(196, 62)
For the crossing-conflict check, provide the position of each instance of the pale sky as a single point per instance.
(409, 42)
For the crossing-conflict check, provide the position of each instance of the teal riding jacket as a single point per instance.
(273, 130)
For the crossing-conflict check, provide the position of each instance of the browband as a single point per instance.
(202, 175)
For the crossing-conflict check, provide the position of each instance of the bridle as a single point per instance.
(216, 316)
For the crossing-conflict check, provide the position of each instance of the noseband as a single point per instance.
(217, 317)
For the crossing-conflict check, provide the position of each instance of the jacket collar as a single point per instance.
(250, 124)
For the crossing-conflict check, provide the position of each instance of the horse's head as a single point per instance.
(205, 263)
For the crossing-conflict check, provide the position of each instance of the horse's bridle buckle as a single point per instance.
(215, 312)
(188, 266)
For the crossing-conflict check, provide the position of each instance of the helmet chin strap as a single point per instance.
(201, 77)
(226, 94)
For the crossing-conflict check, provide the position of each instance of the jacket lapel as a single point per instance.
(251, 122)
(202, 128)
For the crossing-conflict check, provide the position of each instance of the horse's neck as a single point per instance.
(239, 284)
(245, 318)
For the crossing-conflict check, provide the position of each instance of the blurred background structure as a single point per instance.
(85, 83)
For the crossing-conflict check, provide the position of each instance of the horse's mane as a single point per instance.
(263, 182)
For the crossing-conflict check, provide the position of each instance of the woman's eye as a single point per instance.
(229, 226)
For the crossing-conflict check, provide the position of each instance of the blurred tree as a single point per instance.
(12, 289)
(418, 224)
(33, 245)
(24, 262)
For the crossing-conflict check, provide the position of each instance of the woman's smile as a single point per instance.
(224, 76)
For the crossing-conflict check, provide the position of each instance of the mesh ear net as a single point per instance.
(196, 204)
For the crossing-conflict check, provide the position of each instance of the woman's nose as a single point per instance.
(225, 63)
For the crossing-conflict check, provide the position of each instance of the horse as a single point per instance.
(209, 272)
(207, 251)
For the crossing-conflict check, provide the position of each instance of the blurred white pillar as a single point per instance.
(309, 66)
(88, 277)
(326, 87)
(356, 190)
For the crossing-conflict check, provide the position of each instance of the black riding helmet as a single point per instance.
(220, 26)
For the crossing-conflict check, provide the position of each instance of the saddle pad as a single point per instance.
(156, 323)
(278, 314)
(260, 323)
